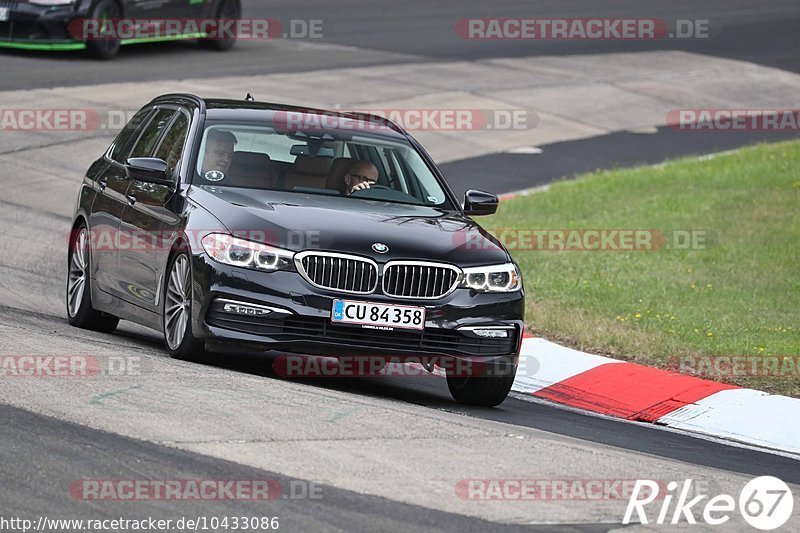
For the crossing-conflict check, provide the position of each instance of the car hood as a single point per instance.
(297, 222)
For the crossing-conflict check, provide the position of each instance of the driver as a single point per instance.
(219, 151)
(361, 175)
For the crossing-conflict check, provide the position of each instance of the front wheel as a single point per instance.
(177, 311)
(487, 391)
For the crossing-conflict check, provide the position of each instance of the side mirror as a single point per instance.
(480, 203)
(148, 169)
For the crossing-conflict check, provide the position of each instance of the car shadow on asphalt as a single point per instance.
(524, 411)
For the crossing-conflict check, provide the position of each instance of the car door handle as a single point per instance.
(103, 183)
(131, 198)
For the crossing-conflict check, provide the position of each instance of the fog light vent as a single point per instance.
(247, 309)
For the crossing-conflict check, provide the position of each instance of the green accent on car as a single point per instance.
(81, 46)
(43, 46)
(196, 35)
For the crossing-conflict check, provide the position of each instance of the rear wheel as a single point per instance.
(227, 9)
(177, 312)
(107, 11)
(486, 391)
(80, 312)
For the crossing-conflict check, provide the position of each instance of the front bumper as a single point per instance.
(34, 27)
(305, 327)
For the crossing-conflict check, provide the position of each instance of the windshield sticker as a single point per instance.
(214, 175)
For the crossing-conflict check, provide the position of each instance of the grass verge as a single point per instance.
(733, 292)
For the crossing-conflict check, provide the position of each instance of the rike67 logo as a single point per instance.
(765, 503)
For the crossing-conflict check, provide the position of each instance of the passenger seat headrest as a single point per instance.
(309, 164)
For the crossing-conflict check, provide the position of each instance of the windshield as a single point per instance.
(353, 164)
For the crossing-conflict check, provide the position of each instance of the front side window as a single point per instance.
(172, 145)
(122, 144)
(147, 141)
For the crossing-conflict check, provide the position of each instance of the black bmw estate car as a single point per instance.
(237, 225)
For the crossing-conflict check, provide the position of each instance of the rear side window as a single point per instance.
(147, 142)
(121, 146)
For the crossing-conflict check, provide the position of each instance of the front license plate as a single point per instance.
(4, 11)
(377, 315)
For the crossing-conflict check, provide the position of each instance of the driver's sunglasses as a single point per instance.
(361, 177)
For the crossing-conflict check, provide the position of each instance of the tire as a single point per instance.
(227, 9)
(176, 311)
(78, 295)
(481, 391)
(105, 48)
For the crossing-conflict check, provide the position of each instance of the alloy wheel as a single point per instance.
(178, 305)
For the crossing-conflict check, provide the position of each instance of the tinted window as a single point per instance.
(121, 146)
(172, 145)
(147, 142)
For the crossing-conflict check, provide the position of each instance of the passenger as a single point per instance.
(362, 175)
(218, 152)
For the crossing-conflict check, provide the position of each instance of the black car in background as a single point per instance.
(54, 24)
(235, 224)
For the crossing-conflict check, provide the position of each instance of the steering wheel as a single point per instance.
(375, 187)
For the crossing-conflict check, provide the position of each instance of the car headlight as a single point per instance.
(493, 278)
(247, 254)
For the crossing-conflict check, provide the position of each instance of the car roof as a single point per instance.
(247, 110)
